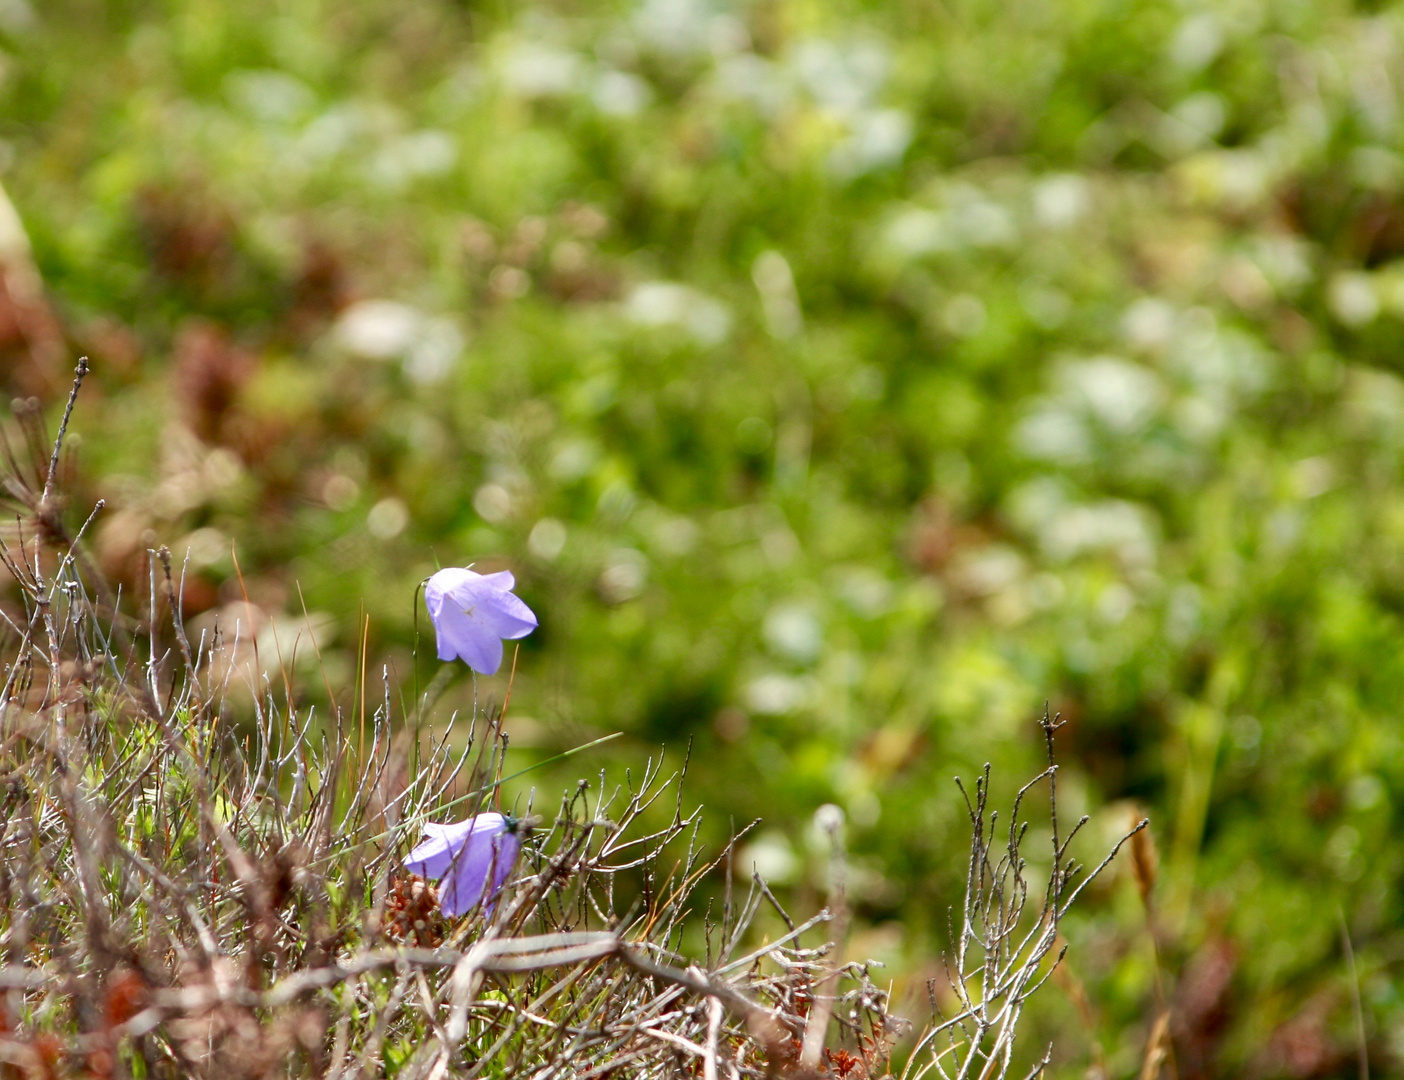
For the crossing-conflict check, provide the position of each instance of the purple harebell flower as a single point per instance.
(473, 859)
(472, 613)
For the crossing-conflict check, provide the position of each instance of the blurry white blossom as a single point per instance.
(674, 26)
(1112, 525)
(843, 76)
(1122, 396)
(776, 694)
(547, 539)
(413, 156)
(377, 329)
(966, 218)
(389, 330)
(204, 547)
(1197, 41)
(432, 356)
(535, 69)
(387, 518)
(668, 304)
(876, 138)
(1054, 433)
(779, 299)
(624, 577)
(618, 93)
(987, 570)
(1061, 200)
(17, 17)
(1149, 323)
(792, 630)
(1352, 299)
(913, 231)
(771, 856)
(752, 79)
(493, 503)
(271, 96)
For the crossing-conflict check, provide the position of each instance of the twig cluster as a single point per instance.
(1002, 950)
(199, 878)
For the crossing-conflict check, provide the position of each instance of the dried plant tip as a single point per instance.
(411, 912)
(79, 373)
(1145, 860)
(1157, 1048)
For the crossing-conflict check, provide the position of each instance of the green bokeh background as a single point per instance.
(842, 382)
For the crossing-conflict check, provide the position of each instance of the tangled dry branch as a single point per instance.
(199, 877)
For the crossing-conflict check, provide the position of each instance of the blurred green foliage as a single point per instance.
(842, 381)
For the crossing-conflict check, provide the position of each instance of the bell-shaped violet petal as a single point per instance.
(472, 613)
(473, 858)
(434, 855)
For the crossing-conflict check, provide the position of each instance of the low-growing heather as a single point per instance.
(202, 876)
